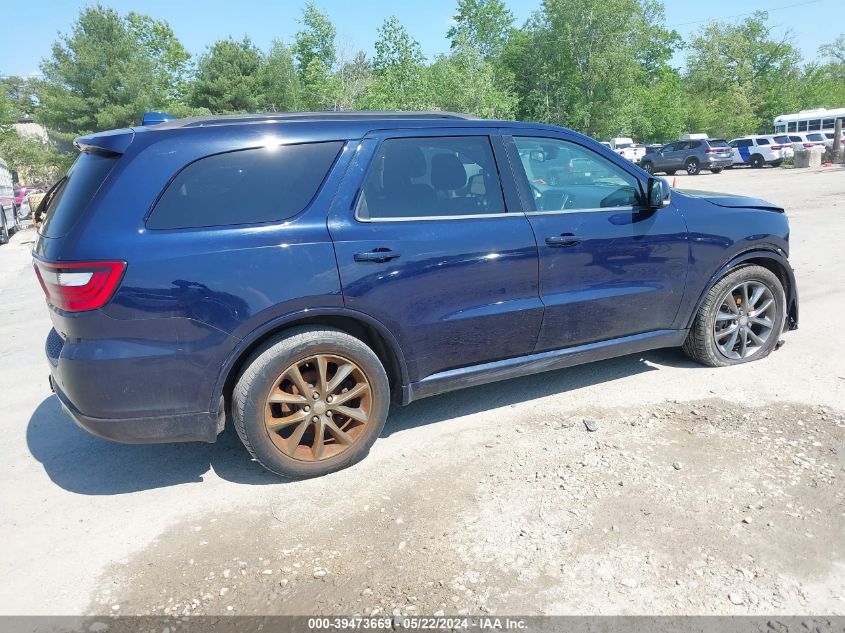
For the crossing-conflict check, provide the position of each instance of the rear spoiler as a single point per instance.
(113, 142)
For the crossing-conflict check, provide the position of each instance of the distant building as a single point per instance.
(28, 127)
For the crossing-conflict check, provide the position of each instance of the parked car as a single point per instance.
(761, 150)
(8, 213)
(626, 148)
(807, 140)
(691, 156)
(829, 137)
(295, 273)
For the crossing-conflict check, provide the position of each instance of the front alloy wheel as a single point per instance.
(745, 320)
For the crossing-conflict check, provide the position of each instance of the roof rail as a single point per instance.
(332, 115)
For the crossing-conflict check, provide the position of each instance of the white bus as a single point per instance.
(818, 120)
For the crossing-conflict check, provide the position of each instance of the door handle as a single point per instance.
(564, 240)
(377, 255)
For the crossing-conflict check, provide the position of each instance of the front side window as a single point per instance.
(245, 187)
(564, 176)
(431, 177)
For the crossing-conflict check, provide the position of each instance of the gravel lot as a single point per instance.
(700, 491)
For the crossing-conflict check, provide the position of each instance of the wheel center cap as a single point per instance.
(743, 321)
(319, 407)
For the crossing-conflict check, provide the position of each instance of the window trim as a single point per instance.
(522, 182)
(431, 218)
(217, 227)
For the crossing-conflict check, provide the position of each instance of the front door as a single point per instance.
(426, 245)
(608, 267)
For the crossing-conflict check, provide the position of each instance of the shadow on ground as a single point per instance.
(84, 464)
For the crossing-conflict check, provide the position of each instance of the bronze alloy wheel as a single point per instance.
(318, 407)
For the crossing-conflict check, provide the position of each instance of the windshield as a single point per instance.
(719, 143)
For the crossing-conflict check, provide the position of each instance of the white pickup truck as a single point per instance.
(626, 148)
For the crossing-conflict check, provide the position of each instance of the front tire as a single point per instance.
(648, 166)
(740, 319)
(693, 167)
(4, 230)
(757, 161)
(310, 401)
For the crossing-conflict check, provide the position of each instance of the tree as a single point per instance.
(108, 71)
(20, 94)
(229, 78)
(314, 51)
(744, 73)
(466, 81)
(399, 68)
(481, 24)
(281, 86)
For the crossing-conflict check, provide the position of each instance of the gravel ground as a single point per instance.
(699, 491)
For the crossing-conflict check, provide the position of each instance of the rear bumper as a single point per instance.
(192, 427)
(717, 163)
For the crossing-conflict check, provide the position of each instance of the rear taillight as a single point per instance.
(79, 286)
(776, 147)
(713, 150)
(809, 144)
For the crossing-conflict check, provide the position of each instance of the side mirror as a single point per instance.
(659, 193)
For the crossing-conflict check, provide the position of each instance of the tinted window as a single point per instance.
(781, 139)
(744, 142)
(694, 144)
(566, 176)
(431, 177)
(718, 143)
(68, 198)
(795, 139)
(816, 137)
(244, 187)
(762, 141)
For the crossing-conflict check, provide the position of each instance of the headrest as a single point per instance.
(402, 161)
(447, 172)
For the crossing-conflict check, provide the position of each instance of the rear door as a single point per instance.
(608, 267)
(427, 245)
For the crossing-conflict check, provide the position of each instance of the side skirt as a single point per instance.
(454, 379)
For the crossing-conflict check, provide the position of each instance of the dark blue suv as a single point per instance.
(296, 273)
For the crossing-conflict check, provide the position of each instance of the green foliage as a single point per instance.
(602, 67)
(229, 78)
(34, 160)
(481, 24)
(399, 69)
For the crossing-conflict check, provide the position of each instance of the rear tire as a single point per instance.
(311, 439)
(757, 161)
(648, 166)
(693, 167)
(671, 172)
(716, 170)
(711, 334)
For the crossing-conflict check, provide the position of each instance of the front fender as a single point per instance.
(783, 269)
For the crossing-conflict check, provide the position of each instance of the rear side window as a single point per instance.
(431, 177)
(781, 139)
(816, 137)
(68, 198)
(744, 142)
(762, 141)
(244, 187)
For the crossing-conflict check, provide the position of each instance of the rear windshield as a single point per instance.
(245, 187)
(68, 198)
(718, 143)
(782, 139)
(816, 137)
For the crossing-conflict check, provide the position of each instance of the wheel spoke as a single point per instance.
(356, 414)
(745, 305)
(319, 440)
(729, 346)
(726, 316)
(340, 435)
(729, 330)
(766, 322)
(322, 370)
(298, 380)
(341, 374)
(743, 342)
(355, 392)
(283, 397)
(296, 437)
(754, 338)
(282, 423)
(755, 296)
(766, 305)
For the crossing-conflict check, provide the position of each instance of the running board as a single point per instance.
(475, 375)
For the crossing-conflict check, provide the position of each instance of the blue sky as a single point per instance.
(197, 24)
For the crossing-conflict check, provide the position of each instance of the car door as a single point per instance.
(426, 245)
(609, 267)
(660, 157)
